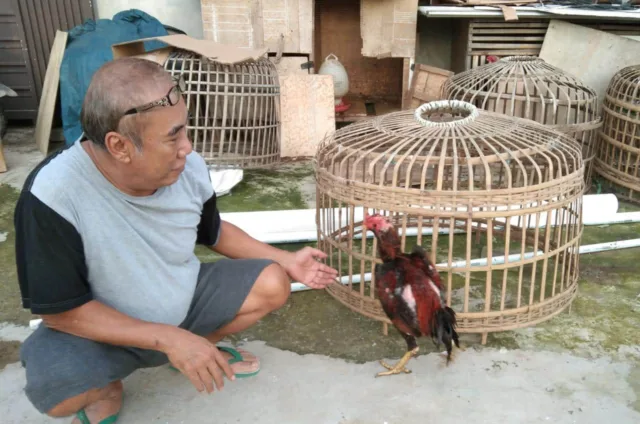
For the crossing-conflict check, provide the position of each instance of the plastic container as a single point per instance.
(332, 66)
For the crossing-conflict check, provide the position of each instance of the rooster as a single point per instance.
(410, 291)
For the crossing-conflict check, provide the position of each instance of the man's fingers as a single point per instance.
(327, 269)
(207, 379)
(216, 375)
(195, 380)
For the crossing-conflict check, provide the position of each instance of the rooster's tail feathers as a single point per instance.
(444, 329)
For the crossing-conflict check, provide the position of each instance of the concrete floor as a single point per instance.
(319, 358)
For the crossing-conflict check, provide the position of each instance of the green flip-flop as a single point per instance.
(235, 357)
(82, 416)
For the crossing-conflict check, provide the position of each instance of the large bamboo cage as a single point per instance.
(234, 109)
(528, 87)
(496, 200)
(618, 155)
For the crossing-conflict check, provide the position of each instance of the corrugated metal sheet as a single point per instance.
(15, 66)
(41, 19)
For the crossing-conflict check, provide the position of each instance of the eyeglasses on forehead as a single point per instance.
(172, 97)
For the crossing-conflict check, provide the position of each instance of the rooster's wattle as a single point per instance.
(409, 289)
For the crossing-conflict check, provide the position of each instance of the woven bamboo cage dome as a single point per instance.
(234, 109)
(618, 155)
(528, 87)
(496, 200)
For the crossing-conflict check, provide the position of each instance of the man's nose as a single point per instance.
(185, 147)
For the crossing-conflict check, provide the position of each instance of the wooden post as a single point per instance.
(3, 164)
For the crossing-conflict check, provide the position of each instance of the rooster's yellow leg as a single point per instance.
(400, 366)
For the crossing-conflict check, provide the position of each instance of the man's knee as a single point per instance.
(112, 391)
(275, 286)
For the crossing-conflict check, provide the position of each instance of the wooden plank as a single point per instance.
(388, 28)
(47, 105)
(506, 32)
(3, 163)
(281, 18)
(590, 55)
(514, 39)
(260, 23)
(406, 91)
(307, 113)
(232, 22)
(499, 24)
(503, 46)
(427, 84)
(306, 19)
(498, 52)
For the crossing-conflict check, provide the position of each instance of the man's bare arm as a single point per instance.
(235, 243)
(302, 266)
(99, 322)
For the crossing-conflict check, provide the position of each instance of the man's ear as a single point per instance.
(120, 147)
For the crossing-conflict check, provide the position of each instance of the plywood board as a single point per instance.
(590, 55)
(427, 84)
(388, 27)
(274, 24)
(307, 113)
(235, 22)
(47, 106)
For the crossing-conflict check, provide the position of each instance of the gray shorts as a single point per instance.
(59, 365)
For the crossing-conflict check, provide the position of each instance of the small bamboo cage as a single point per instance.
(618, 155)
(496, 200)
(528, 87)
(234, 109)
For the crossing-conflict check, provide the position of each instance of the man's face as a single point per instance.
(165, 146)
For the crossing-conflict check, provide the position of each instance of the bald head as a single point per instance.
(117, 86)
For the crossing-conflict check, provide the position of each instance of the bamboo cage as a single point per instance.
(528, 87)
(234, 109)
(496, 200)
(618, 155)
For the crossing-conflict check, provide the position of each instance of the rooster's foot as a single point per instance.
(392, 369)
(400, 366)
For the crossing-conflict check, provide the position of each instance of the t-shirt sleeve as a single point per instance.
(210, 222)
(50, 260)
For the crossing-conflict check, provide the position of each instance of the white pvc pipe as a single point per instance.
(299, 226)
(613, 245)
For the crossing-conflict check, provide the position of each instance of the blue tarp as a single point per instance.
(88, 48)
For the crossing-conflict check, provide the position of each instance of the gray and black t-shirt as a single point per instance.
(79, 238)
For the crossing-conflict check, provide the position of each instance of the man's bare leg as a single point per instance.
(98, 404)
(269, 293)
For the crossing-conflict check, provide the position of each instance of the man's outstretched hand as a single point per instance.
(304, 267)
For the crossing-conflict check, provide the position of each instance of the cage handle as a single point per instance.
(451, 106)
